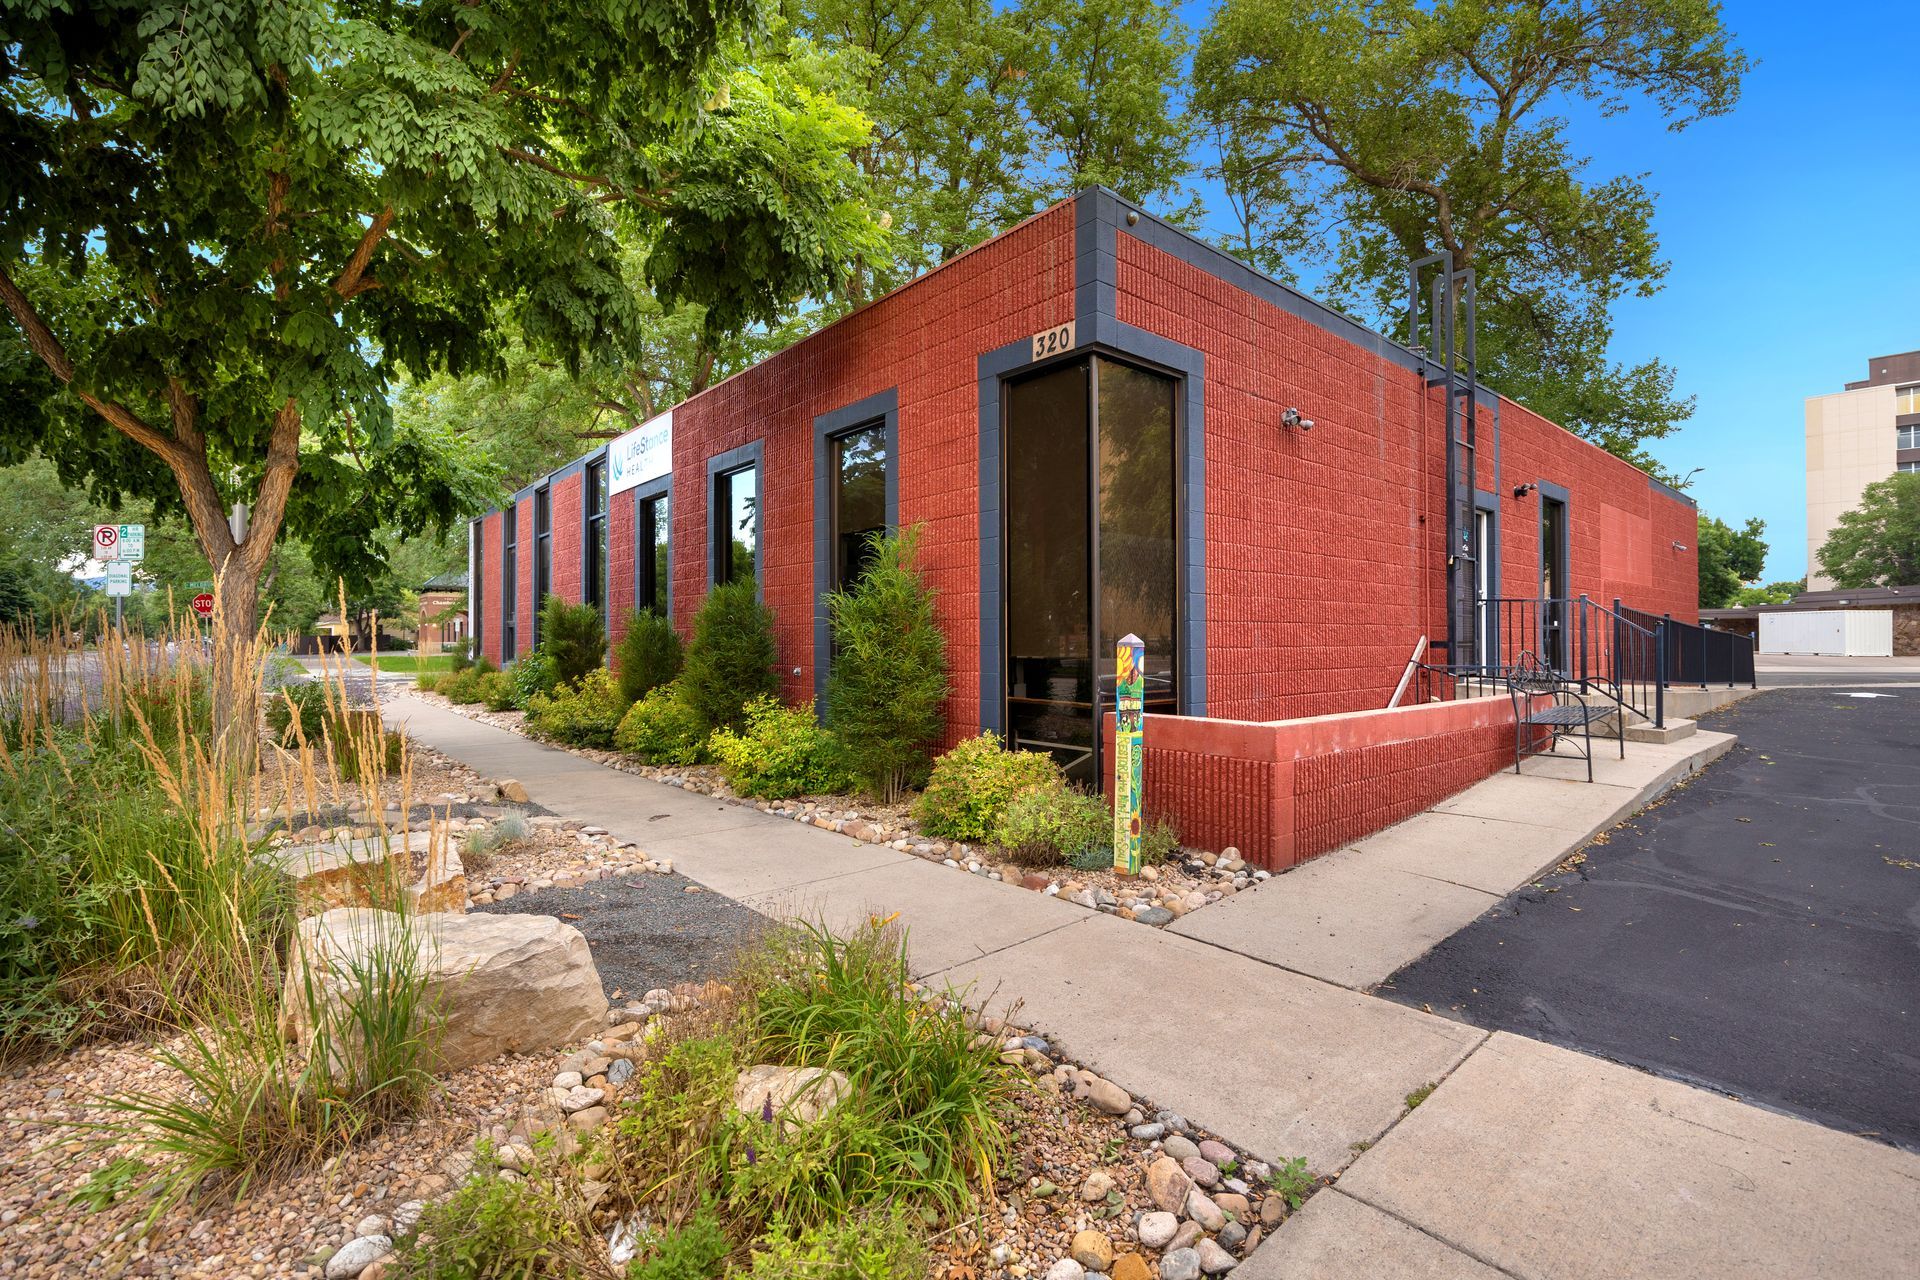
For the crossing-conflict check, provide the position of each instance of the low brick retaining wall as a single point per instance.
(1285, 791)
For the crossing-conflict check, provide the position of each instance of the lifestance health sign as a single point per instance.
(644, 453)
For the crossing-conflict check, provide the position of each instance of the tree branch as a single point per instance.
(352, 278)
(41, 341)
(270, 502)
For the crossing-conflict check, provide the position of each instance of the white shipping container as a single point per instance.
(1840, 633)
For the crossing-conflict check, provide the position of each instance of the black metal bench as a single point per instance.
(1548, 709)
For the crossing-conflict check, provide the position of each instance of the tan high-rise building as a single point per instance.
(1854, 437)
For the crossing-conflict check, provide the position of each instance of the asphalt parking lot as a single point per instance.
(1756, 932)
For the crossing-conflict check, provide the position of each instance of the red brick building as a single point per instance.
(1092, 416)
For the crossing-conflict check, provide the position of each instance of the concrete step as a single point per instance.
(1673, 731)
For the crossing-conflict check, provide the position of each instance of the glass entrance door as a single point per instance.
(1090, 551)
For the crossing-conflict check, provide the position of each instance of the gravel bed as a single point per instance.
(648, 931)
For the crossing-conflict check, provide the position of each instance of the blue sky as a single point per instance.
(1792, 227)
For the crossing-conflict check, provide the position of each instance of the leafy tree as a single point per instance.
(225, 233)
(730, 661)
(889, 673)
(1366, 133)
(1729, 558)
(1771, 593)
(1877, 544)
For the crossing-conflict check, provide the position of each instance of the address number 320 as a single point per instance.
(1052, 342)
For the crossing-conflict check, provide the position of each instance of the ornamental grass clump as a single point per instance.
(163, 913)
(888, 678)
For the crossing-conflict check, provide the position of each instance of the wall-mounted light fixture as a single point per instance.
(1133, 217)
(1521, 491)
(1290, 417)
(1679, 546)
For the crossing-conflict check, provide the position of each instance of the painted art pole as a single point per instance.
(1129, 710)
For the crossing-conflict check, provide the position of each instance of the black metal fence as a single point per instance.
(1623, 653)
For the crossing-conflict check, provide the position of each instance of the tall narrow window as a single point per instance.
(594, 589)
(859, 500)
(653, 555)
(736, 522)
(542, 555)
(476, 579)
(1137, 554)
(510, 585)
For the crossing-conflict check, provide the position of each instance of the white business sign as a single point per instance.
(644, 453)
(119, 578)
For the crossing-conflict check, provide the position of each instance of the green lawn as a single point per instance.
(409, 662)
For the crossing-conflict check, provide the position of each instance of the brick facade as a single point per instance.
(1315, 561)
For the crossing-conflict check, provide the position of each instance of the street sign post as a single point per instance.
(1129, 714)
(203, 604)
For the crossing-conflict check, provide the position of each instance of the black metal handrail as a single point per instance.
(1699, 655)
(1601, 650)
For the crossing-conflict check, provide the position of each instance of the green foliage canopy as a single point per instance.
(1366, 133)
(1877, 544)
(1729, 559)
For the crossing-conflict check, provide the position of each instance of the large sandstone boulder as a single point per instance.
(443, 886)
(494, 983)
(348, 873)
(798, 1096)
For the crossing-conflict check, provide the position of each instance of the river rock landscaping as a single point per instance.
(1158, 896)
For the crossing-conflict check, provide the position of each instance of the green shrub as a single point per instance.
(696, 1251)
(466, 685)
(782, 752)
(730, 662)
(876, 1246)
(533, 675)
(494, 1229)
(663, 728)
(463, 654)
(583, 715)
(306, 702)
(1159, 843)
(1046, 826)
(973, 784)
(497, 691)
(574, 636)
(888, 677)
(648, 655)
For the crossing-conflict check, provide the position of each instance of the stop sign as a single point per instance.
(203, 604)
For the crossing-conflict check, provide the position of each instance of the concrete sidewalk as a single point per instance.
(1358, 915)
(1587, 1169)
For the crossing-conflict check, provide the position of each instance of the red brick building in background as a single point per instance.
(1094, 419)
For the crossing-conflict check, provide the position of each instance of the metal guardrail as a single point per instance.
(1699, 655)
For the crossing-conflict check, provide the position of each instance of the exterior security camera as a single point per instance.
(1292, 418)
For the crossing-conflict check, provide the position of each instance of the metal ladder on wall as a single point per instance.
(1451, 312)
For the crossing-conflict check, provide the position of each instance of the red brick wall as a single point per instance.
(620, 516)
(568, 494)
(1325, 556)
(523, 578)
(487, 590)
(925, 339)
(1287, 791)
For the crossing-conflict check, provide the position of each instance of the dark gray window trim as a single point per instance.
(541, 589)
(660, 487)
(586, 535)
(510, 580)
(1547, 489)
(735, 460)
(1098, 334)
(881, 407)
(1489, 502)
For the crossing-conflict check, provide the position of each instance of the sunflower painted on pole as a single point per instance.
(1129, 711)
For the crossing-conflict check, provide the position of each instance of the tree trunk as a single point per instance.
(236, 661)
